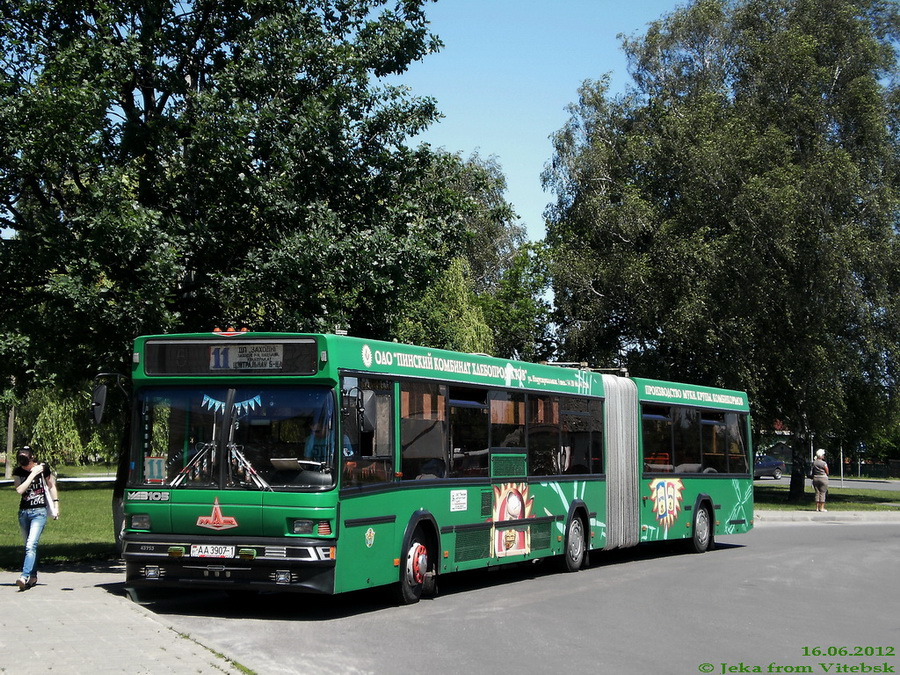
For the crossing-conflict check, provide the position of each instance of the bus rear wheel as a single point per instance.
(575, 545)
(702, 538)
(414, 569)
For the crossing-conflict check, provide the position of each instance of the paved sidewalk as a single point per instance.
(78, 620)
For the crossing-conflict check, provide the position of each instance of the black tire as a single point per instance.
(137, 597)
(702, 537)
(576, 546)
(414, 568)
(777, 474)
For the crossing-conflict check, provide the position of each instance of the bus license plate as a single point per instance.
(211, 551)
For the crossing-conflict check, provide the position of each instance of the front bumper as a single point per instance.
(258, 563)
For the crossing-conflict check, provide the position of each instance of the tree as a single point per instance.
(517, 308)
(733, 219)
(490, 299)
(181, 165)
(448, 315)
(493, 233)
(508, 274)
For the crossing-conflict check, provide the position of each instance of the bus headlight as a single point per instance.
(140, 521)
(302, 527)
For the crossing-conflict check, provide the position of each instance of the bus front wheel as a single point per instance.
(414, 570)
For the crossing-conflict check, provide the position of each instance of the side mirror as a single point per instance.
(98, 399)
(98, 403)
(367, 411)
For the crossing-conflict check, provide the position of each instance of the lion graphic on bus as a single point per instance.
(512, 503)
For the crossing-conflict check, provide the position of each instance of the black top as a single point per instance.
(35, 496)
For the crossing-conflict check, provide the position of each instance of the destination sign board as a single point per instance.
(233, 357)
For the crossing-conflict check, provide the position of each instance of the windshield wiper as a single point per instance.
(206, 449)
(249, 471)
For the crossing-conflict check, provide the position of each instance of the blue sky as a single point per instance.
(508, 70)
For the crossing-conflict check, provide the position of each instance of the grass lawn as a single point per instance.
(83, 532)
(93, 470)
(774, 497)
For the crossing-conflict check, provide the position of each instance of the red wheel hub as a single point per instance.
(418, 559)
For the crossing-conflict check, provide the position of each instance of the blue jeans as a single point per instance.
(32, 522)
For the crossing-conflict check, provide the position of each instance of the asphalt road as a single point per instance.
(784, 598)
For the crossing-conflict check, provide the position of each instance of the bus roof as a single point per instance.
(341, 352)
(479, 369)
(658, 391)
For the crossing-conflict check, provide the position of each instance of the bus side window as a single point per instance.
(469, 432)
(423, 430)
(712, 426)
(686, 440)
(367, 413)
(656, 423)
(596, 410)
(736, 426)
(575, 451)
(543, 435)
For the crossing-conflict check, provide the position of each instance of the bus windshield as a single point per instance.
(251, 438)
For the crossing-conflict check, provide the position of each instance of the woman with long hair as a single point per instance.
(37, 487)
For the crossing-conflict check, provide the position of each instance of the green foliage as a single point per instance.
(885, 444)
(448, 315)
(517, 309)
(52, 420)
(493, 235)
(732, 220)
(490, 298)
(184, 165)
(181, 165)
(55, 424)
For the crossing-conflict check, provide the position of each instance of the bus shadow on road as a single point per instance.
(303, 607)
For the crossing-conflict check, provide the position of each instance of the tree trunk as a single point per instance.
(798, 471)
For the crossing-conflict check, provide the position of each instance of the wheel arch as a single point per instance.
(578, 509)
(428, 523)
(704, 501)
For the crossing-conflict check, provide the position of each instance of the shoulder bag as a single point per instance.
(52, 511)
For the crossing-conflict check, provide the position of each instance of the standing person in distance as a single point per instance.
(820, 480)
(35, 483)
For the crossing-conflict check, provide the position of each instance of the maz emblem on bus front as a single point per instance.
(217, 521)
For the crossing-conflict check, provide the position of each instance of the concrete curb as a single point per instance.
(810, 516)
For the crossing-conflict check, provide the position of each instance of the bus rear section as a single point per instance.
(695, 450)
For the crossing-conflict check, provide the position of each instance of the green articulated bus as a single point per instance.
(329, 463)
